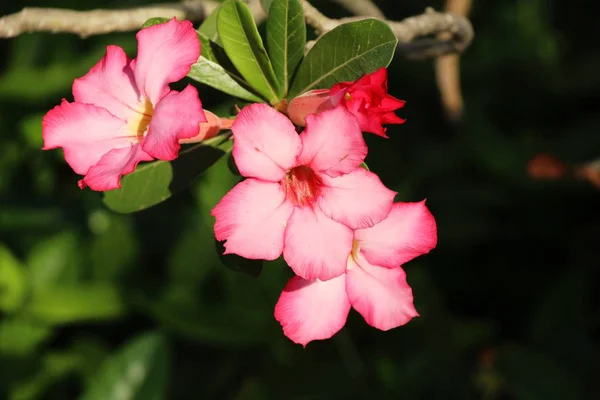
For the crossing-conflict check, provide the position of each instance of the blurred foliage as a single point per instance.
(97, 305)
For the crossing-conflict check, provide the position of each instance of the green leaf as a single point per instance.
(63, 304)
(245, 48)
(12, 281)
(136, 372)
(239, 263)
(154, 21)
(18, 337)
(286, 37)
(364, 165)
(208, 28)
(210, 70)
(54, 261)
(345, 54)
(155, 182)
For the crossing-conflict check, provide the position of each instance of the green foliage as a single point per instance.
(345, 54)
(155, 182)
(286, 37)
(137, 372)
(12, 281)
(244, 46)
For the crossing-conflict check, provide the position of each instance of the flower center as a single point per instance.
(138, 124)
(302, 185)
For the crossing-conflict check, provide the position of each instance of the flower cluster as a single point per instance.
(306, 196)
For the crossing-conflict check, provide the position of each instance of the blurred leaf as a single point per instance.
(245, 48)
(55, 366)
(239, 263)
(114, 246)
(528, 375)
(31, 130)
(62, 304)
(345, 54)
(54, 261)
(19, 337)
(155, 182)
(12, 281)
(286, 37)
(209, 70)
(154, 21)
(137, 372)
(208, 28)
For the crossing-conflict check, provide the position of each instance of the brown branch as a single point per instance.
(429, 23)
(94, 22)
(363, 8)
(447, 69)
(97, 22)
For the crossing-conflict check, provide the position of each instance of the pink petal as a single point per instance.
(252, 218)
(110, 84)
(265, 143)
(381, 295)
(314, 310)
(106, 175)
(408, 231)
(332, 142)
(177, 116)
(311, 102)
(166, 53)
(316, 247)
(85, 132)
(207, 129)
(357, 199)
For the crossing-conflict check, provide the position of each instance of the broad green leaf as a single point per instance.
(55, 367)
(209, 70)
(154, 21)
(54, 260)
(19, 337)
(155, 182)
(208, 28)
(345, 54)
(137, 372)
(239, 263)
(63, 304)
(266, 4)
(245, 48)
(286, 37)
(12, 281)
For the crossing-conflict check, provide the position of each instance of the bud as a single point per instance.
(210, 128)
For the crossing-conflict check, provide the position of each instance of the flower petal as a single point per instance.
(316, 247)
(311, 102)
(357, 199)
(381, 295)
(110, 84)
(106, 174)
(265, 143)
(332, 142)
(177, 116)
(166, 53)
(84, 131)
(207, 129)
(252, 219)
(408, 232)
(314, 310)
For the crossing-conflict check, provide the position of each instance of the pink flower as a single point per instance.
(124, 111)
(367, 99)
(373, 284)
(303, 194)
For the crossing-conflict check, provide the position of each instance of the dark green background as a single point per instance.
(507, 300)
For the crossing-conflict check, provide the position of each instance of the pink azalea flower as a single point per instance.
(373, 284)
(124, 111)
(303, 194)
(367, 99)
